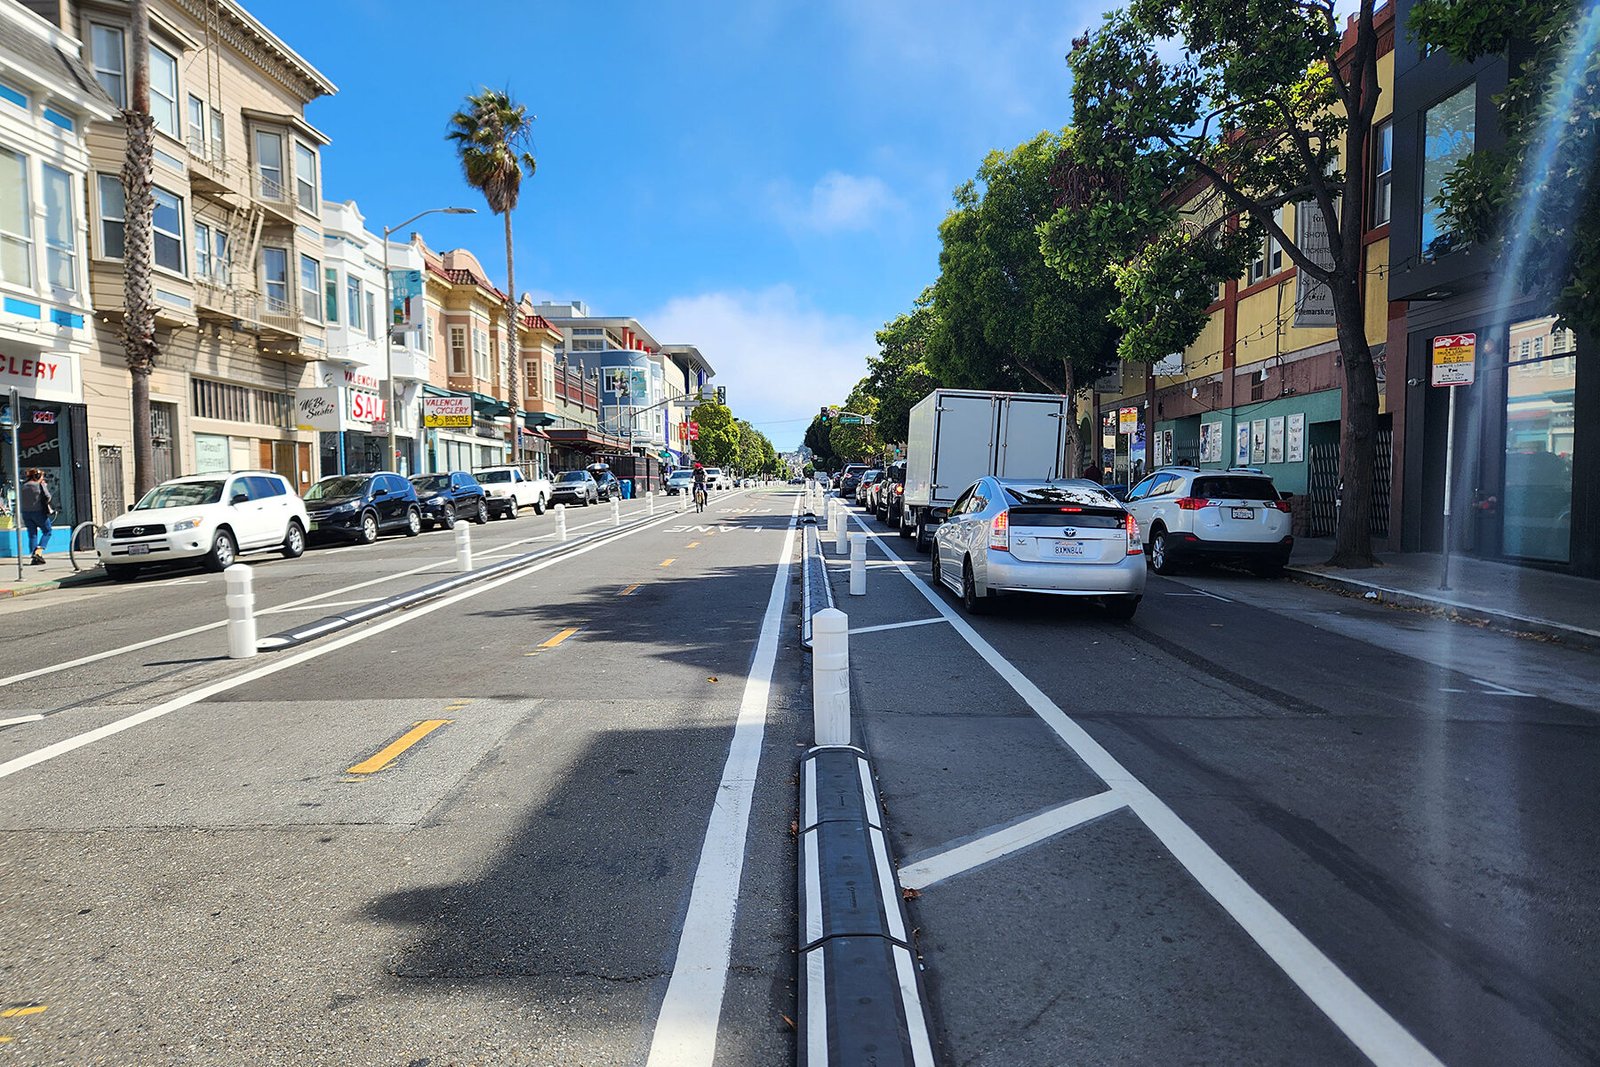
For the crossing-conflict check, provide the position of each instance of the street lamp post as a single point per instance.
(388, 313)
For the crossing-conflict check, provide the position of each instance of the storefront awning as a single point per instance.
(534, 420)
(488, 407)
(583, 439)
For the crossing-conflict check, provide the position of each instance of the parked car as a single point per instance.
(889, 496)
(1234, 515)
(715, 479)
(359, 507)
(681, 481)
(797, 480)
(1064, 538)
(509, 491)
(606, 482)
(864, 483)
(207, 518)
(849, 478)
(446, 497)
(575, 487)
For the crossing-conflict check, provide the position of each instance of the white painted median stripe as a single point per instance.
(20, 719)
(1011, 839)
(896, 625)
(686, 1030)
(61, 748)
(1371, 1029)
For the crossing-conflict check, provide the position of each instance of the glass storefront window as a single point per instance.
(1540, 389)
(1449, 128)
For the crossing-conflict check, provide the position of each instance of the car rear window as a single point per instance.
(572, 476)
(1235, 487)
(494, 476)
(1058, 494)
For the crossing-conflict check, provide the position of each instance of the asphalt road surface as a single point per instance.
(547, 819)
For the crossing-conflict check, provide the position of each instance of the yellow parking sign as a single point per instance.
(1455, 359)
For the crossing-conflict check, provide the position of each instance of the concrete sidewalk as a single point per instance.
(1502, 595)
(56, 573)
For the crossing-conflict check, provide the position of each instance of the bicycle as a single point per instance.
(699, 498)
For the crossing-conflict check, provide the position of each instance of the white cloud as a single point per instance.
(837, 202)
(780, 358)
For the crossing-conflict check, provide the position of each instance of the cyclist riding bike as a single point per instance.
(699, 488)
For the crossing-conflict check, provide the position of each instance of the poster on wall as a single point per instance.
(1241, 450)
(210, 453)
(1258, 441)
(1211, 442)
(1296, 451)
(1166, 447)
(1161, 448)
(1275, 439)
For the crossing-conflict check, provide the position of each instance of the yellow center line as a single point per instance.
(25, 1009)
(694, 544)
(630, 589)
(392, 751)
(668, 562)
(560, 637)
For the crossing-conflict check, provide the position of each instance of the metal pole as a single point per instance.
(16, 475)
(830, 676)
(1449, 471)
(388, 350)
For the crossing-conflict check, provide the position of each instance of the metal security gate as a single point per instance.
(163, 420)
(1322, 487)
(110, 473)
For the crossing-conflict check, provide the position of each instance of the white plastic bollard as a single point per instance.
(561, 522)
(830, 676)
(858, 564)
(683, 501)
(463, 547)
(616, 512)
(650, 501)
(241, 601)
(841, 518)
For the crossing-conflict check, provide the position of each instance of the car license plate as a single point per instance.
(1244, 513)
(1070, 548)
(138, 550)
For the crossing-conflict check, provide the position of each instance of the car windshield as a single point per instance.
(337, 488)
(872, 476)
(491, 477)
(681, 476)
(1235, 487)
(1058, 494)
(431, 483)
(181, 495)
(571, 476)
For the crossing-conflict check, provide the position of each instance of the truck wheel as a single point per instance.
(924, 536)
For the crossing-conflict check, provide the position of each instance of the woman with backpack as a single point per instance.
(38, 507)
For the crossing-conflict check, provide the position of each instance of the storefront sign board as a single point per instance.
(447, 412)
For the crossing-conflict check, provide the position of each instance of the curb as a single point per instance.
(1507, 621)
(814, 584)
(92, 576)
(860, 998)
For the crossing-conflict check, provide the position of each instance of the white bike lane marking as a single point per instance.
(686, 1029)
(1371, 1029)
(70, 744)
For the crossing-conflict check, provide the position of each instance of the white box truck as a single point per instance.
(957, 436)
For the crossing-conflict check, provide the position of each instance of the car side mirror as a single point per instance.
(376, 493)
(239, 497)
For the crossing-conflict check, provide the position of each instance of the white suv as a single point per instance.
(1191, 514)
(208, 517)
(508, 491)
(715, 479)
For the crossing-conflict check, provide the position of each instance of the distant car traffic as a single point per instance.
(863, 483)
(359, 507)
(1190, 514)
(575, 487)
(509, 491)
(679, 481)
(1066, 538)
(206, 518)
(849, 478)
(449, 496)
(889, 499)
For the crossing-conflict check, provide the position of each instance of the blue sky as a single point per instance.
(763, 180)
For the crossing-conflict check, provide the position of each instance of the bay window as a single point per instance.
(112, 215)
(167, 221)
(310, 288)
(110, 62)
(16, 220)
(164, 90)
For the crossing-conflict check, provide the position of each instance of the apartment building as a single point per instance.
(48, 99)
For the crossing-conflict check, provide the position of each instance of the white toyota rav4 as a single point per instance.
(1235, 515)
(207, 517)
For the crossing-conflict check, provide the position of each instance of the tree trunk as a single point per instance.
(1071, 420)
(513, 351)
(138, 316)
(1358, 436)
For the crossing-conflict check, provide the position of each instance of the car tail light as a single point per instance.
(1135, 542)
(1281, 505)
(1000, 532)
(899, 490)
(1191, 503)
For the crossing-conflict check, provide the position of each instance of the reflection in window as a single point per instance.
(1382, 168)
(1447, 138)
(1537, 511)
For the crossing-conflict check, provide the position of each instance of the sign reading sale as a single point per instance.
(1455, 359)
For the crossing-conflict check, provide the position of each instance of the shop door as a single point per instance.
(163, 428)
(110, 473)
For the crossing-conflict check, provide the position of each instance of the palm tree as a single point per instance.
(139, 312)
(492, 133)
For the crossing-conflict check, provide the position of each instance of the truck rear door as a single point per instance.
(963, 444)
(1032, 438)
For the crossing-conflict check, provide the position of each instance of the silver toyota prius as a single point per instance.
(1064, 538)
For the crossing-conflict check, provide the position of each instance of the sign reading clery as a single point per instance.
(447, 412)
(39, 375)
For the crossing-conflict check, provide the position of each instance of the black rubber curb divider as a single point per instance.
(860, 999)
(322, 627)
(816, 592)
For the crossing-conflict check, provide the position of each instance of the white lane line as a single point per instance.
(887, 887)
(318, 606)
(811, 891)
(1003, 842)
(20, 719)
(916, 1017)
(1497, 689)
(111, 653)
(1371, 1029)
(61, 748)
(896, 625)
(686, 1029)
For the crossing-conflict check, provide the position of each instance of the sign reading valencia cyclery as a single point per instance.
(447, 412)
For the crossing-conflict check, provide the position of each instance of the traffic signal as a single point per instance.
(824, 415)
(722, 395)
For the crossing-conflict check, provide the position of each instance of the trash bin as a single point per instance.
(627, 488)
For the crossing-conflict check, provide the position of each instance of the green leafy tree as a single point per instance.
(1536, 198)
(1260, 109)
(492, 133)
(818, 439)
(718, 445)
(898, 376)
(859, 442)
(1004, 318)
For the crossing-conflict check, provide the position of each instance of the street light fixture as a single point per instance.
(388, 312)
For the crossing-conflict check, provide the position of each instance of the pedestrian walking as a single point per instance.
(38, 509)
(1093, 474)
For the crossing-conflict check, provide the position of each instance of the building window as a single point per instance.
(352, 300)
(111, 216)
(197, 127)
(310, 288)
(1382, 167)
(60, 230)
(372, 316)
(169, 232)
(458, 350)
(530, 375)
(16, 220)
(427, 334)
(218, 140)
(305, 179)
(164, 91)
(330, 294)
(269, 164)
(202, 251)
(275, 277)
(480, 354)
(1448, 129)
(110, 62)
(1540, 432)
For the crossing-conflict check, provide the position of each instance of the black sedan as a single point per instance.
(607, 484)
(444, 498)
(358, 507)
(575, 487)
